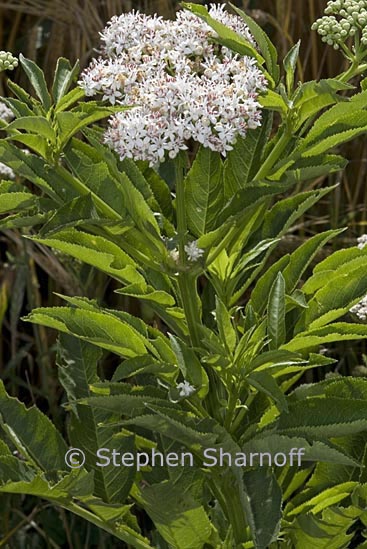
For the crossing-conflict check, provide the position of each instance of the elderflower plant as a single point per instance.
(214, 355)
(183, 86)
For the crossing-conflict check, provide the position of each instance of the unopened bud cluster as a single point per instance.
(343, 19)
(7, 61)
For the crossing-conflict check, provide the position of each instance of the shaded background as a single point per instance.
(29, 275)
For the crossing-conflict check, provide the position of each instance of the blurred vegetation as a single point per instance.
(30, 275)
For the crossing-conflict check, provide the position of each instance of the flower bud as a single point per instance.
(7, 61)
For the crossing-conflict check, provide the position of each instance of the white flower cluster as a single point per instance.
(353, 19)
(6, 114)
(6, 172)
(181, 84)
(360, 309)
(362, 241)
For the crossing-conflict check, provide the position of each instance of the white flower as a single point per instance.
(362, 241)
(175, 255)
(185, 389)
(6, 172)
(193, 251)
(6, 114)
(181, 84)
(360, 309)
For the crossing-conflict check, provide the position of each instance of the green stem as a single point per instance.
(196, 407)
(128, 535)
(357, 66)
(359, 70)
(348, 74)
(348, 54)
(229, 499)
(274, 155)
(187, 285)
(180, 209)
(232, 401)
(187, 282)
(242, 413)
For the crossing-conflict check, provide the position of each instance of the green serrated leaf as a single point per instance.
(32, 431)
(204, 192)
(190, 366)
(64, 76)
(267, 48)
(98, 328)
(302, 257)
(244, 160)
(33, 124)
(97, 251)
(265, 383)
(323, 417)
(16, 201)
(227, 36)
(37, 79)
(180, 519)
(260, 294)
(73, 213)
(335, 298)
(226, 330)
(309, 450)
(264, 499)
(290, 64)
(338, 331)
(276, 313)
